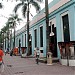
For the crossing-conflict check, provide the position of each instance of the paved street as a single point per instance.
(16, 65)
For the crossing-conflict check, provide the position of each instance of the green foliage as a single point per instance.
(1, 5)
(1, 36)
(25, 4)
(12, 20)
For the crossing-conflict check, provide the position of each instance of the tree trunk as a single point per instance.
(28, 30)
(10, 39)
(14, 36)
(47, 27)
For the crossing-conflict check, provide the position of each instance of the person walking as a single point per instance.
(1, 61)
(37, 55)
(5, 51)
(11, 52)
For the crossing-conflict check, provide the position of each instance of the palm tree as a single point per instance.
(12, 21)
(8, 33)
(47, 24)
(3, 32)
(25, 11)
(47, 27)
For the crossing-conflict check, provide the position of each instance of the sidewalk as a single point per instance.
(16, 65)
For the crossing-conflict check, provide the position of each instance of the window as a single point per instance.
(35, 36)
(66, 28)
(41, 36)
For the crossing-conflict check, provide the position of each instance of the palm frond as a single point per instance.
(3, 29)
(36, 5)
(10, 19)
(11, 26)
(24, 8)
(31, 14)
(39, 0)
(23, 0)
(1, 5)
(17, 6)
(19, 19)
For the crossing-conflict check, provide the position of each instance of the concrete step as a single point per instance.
(55, 60)
(44, 60)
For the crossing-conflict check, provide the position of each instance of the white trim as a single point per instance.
(41, 25)
(64, 13)
(35, 28)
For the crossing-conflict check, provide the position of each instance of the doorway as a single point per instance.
(30, 44)
(53, 41)
(66, 32)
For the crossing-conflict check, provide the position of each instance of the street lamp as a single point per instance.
(52, 33)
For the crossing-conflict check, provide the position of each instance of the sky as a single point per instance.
(8, 9)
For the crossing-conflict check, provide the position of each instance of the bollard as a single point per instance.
(37, 55)
(49, 58)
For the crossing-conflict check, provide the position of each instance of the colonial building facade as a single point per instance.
(61, 23)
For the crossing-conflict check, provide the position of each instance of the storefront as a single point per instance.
(67, 50)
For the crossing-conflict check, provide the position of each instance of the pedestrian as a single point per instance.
(5, 51)
(37, 55)
(8, 50)
(11, 52)
(1, 61)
